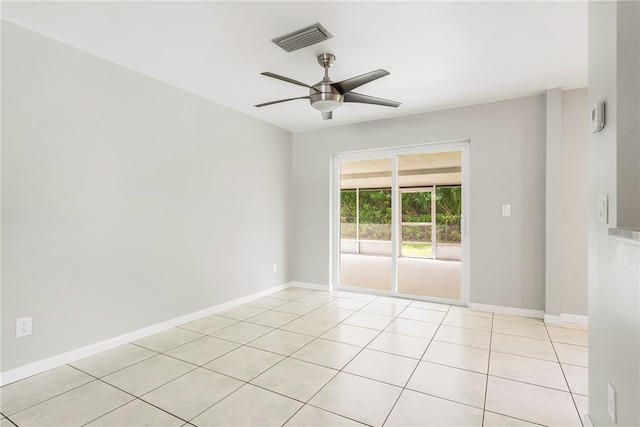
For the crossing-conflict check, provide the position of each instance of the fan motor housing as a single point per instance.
(324, 97)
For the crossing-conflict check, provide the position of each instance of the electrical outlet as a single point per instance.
(275, 268)
(506, 210)
(23, 327)
(611, 402)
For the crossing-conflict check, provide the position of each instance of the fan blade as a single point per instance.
(279, 101)
(348, 85)
(327, 115)
(286, 79)
(366, 99)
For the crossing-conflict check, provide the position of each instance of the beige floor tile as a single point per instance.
(143, 377)
(569, 325)
(249, 406)
(522, 329)
(242, 332)
(393, 300)
(267, 303)
(314, 298)
(74, 408)
(578, 379)
(449, 383)
(166, 340)
(309, 326)
(109, 361)
(513, 344)
(348, 334)
(456, 309)
(582, 403)
(379, 366)
(245, 363)
(295, 378)
(458, 356)
(135, 414)
(367, 320)
(361, 399)
(568, 336)
(359, 296)
(281, 342)
(348, 303)
(274, 319)
(295, 307)
(532, 403)
(192, 393)
(463, 336)
(4, 422)
(402, 345)
(412, 328)
(430, 305)
(331, 354)
(202, 350)
(497, 420)
(327, 312)
(22, 394)
(469, 322)
(422, 315)
(572, 354)
(518, 318)
(417, 409)
(525, 369)
(208, 325)
(382, 309)
(292, 293)
(241, 312)
(310, 416)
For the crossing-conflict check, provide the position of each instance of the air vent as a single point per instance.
(302, 38)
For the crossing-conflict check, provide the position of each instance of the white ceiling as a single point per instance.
(440, 54)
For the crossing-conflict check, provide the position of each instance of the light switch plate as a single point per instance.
(506, 210)
(603, 209)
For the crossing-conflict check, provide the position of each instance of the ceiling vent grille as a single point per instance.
(302, 38)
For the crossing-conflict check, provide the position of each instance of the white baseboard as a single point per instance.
(34, 368)
(524, 312)
(566, 318)
(587, 421)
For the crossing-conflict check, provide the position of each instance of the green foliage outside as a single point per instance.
(375, 215)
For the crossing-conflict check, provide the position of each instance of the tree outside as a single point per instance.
(375, 216)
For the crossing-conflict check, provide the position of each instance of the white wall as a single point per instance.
(614, 264)
(573, 184)
(507, 166)
(125, 201)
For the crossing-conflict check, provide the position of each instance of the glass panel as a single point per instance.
(416, 206)
(421, 268)
(448, 214)
(416, 241)
(348, 226)
(375, 214)
(365, 216)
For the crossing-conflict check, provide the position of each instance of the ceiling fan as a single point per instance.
(327, 96)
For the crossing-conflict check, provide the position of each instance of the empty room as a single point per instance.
(320, 213)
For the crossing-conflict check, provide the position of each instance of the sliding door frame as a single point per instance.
(393, 153)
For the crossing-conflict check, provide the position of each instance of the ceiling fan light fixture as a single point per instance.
(326, 104)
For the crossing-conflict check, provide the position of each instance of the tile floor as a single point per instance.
(309, 358)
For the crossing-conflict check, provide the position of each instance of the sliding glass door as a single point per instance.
(401, 222)
(365, 223)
